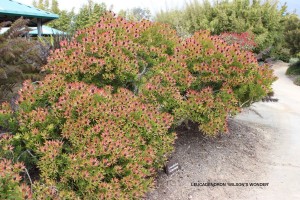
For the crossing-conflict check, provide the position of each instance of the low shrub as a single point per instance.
(297, 81)
(282, 54)
(293, 60)
(10, 186)
(87, 142)
(226, 78)
(294, 69)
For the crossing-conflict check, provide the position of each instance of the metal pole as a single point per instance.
(39, 27)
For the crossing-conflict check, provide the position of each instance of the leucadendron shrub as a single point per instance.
(226, 79)
(10, 181)
(88, 142)
(201, 78)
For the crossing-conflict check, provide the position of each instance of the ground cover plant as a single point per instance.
(100, 125)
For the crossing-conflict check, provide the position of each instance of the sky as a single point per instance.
(153, 5)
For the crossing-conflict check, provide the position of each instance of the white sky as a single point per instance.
(153, 5)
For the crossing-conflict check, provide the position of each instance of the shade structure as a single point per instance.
(11, 10)
(46, 31)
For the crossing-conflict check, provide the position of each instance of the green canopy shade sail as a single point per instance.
(46, 30)
(11, 10)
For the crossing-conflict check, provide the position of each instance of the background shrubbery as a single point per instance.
(20, 58)
(292, 34)
(263, 19)
(292, 41)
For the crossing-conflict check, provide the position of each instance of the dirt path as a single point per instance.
(284, 164)
(257, 150)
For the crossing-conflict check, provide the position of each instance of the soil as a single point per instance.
(262, 146)
(230, 158)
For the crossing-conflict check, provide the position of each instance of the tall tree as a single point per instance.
(136, 14)
(89, 14)
(54, 7)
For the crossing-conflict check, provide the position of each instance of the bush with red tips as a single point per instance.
(89, 142)
(161, 68)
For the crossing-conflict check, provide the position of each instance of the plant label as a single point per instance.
(172, 166)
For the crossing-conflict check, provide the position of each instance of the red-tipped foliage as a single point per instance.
(149, 59)
(89, 142)
(10, 178)
(244, 40)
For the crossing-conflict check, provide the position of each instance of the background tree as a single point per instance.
(89, 14)
(292, 33)
(135, 14)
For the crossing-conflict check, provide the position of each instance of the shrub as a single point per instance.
(10, 187)
(294, 69)
(282, 54)
(244, 40)
(297, 81)
(293, 60)
(12, 182)
(88, 142)
(226, 78)
(114, 52)
(20, 59)
(193, 79)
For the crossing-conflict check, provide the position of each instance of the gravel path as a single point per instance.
(258, 149)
